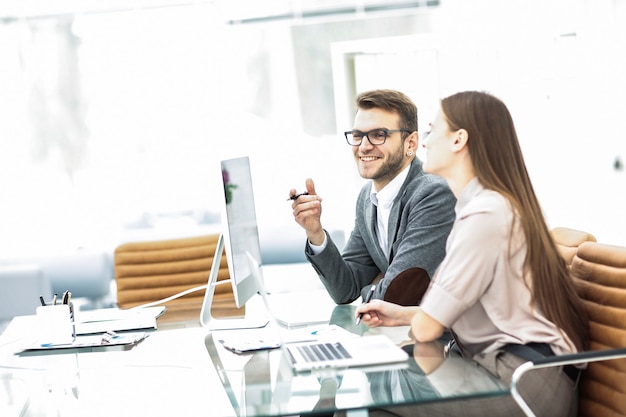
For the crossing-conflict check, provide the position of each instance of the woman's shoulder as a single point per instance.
(486, 201)
(487, 217)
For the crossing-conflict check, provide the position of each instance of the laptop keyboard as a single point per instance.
(323, 352)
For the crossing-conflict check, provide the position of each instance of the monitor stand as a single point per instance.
(212, 323)
(247, 322)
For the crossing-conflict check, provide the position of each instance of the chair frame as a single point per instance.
(562, 360)
(573, 240)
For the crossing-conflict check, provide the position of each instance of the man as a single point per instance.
(403, 216)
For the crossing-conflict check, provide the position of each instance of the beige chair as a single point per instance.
(149, 271)
(567, 241)
(600, 271)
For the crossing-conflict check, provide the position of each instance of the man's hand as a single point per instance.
(307, 211)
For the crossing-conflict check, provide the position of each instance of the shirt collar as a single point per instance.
(389, 192)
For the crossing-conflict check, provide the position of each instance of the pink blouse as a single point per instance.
(480, 290)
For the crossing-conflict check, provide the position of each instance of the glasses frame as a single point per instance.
(366, 135)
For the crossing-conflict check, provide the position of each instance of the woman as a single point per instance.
(503, 289)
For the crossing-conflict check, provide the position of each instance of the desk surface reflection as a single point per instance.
(182, 371)
(262, 383)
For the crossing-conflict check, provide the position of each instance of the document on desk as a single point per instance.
(117, 320)
(124, 341)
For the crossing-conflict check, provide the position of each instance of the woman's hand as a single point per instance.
(382, 313)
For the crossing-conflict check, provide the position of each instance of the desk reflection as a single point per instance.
(263, 382)
(401, 385)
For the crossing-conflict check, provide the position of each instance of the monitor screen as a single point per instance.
(241, 235)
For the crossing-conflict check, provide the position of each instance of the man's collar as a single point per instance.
(389, 191)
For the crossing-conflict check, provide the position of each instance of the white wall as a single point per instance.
(559, 67)
(171, 91)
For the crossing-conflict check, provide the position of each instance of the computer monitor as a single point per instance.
(240, 240)
(240, 230)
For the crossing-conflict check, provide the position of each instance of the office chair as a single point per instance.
(600, 272)
(149, 271)
(567, 241)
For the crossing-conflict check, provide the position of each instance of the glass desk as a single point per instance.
(185, 372)
(262, 383)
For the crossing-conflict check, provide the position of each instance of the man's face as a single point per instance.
(380, 163)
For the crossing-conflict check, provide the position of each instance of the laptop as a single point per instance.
(374, 350)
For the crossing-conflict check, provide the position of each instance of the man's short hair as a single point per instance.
(392, 101)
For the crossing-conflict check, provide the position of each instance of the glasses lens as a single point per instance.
(377, 137)
(354, 138)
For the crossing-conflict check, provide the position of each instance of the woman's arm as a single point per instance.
(424, 328)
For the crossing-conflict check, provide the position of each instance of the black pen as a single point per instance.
(295, 196)
(43, 302)
(368, 298)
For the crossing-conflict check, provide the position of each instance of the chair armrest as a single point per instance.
(561, 360)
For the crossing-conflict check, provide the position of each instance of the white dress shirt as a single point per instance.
(383, 200)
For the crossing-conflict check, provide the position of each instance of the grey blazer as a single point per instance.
(419, 223)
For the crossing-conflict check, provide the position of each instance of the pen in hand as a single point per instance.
(368, 298)
(295, 196)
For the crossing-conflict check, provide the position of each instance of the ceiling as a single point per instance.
(234, 11)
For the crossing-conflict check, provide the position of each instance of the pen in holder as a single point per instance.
(56, 324)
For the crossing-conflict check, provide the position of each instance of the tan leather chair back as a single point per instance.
(153, 270)
(567, 241)
(601, 272)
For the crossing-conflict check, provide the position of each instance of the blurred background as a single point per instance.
(114, 114)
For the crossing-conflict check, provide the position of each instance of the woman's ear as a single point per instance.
(460, 139)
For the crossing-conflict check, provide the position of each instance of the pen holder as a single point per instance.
(56, 324)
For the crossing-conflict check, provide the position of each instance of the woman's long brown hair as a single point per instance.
(499, 165)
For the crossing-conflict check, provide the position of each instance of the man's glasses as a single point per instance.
(375, 136)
